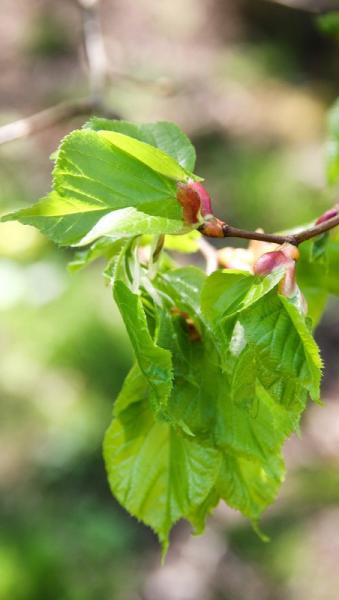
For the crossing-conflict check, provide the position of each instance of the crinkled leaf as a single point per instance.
(226, 293)
(155, 363)
(157, 475)
(285, 349)
(250, 486)
(184, 287)
(319, 279)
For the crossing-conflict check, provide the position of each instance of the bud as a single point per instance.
(205, 198)
(195, 200)
(270, 262)
(288, 285)
(329, 214)
(190, 202)
(212, 227)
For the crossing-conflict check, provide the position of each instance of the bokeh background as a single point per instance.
(250, 81)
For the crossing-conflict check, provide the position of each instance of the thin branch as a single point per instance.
(312, 232)
(313, 6)
(292, 238)
(44, 119)
(97, 74)
(273, 238)
(97, 59)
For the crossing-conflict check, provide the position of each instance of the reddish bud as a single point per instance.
(195, 201)
(288, 285)
(270, 262)
(190, 202)
(329, 214)
(205, 199)
(213, 227)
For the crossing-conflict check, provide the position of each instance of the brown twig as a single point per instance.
(291, 238)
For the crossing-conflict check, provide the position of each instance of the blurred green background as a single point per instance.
(250, 81)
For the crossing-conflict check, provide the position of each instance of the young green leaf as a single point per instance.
(64, 220)
(149, 155)
(157, 475)
(250, 486)
(97, 173)
(163, 135)
(155, 362)
(227, 293)
(129, 222)
(284, 346)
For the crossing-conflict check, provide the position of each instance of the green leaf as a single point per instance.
(184, 287)
(97, 173)
(157, 475)
(64, 220)
(163, 135)
(149, 155)
(227, 293)
(319, 278)
(135, 389)
(128, 222)
(285, 349)
(249, 423)
(103, 248)
(250, 486)
(91, 169)
(155, 363)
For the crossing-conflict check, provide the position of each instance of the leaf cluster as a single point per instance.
(224, 364)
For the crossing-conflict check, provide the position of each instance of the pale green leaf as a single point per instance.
(227, 293)
(163, 135)
(103, 248)
(157, 475)
(128, 222)
(91, 169)
(250, 486)
(149, 155)
(155, 363)
(63, 220)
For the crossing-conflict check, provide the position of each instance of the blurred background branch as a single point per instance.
(315, 6)
(97, 63)
(97, 60)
